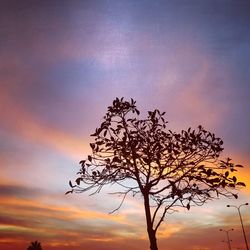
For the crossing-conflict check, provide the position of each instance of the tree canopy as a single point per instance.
(167, 168)
(35, 246)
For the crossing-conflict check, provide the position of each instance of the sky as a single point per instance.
(63, 62)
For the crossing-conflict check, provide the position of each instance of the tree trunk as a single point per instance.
(151, 231)
(152, 239)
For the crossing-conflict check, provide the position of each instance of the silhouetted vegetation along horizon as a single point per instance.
(35, 245)
(168, 169)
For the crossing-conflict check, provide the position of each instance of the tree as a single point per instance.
(166, 168)
(35, 246)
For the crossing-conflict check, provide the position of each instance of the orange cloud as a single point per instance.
(70, 226)
(59, 226)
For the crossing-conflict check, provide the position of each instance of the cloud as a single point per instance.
(27, 125)
(57, 226)
(19, 191)
(60, 226)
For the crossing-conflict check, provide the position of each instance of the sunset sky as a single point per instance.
(63, 62)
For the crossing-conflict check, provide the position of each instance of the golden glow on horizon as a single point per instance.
(30, 208)
(16, 228)
(168, 230)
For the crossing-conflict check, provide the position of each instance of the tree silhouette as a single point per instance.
(35, 246)
(166, 168)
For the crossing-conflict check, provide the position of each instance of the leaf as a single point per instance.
(68, 192)
(227, 174)
(215, 180)
(201, 167)
(233, 170)
(116, 159)
(78, 180)
(82, 162)
(235, 196)
(105, 133)
(209, 172)
(234, 179)
(241, 184)
(92, 145)
(223, 184)
(239, 166)
(94, 134)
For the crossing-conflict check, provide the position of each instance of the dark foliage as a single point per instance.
(35, 246)
(166, 168)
